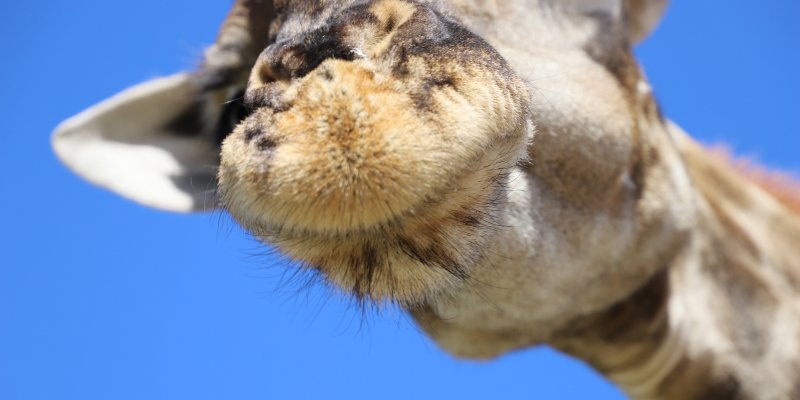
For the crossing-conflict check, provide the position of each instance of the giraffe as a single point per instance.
(498, 168)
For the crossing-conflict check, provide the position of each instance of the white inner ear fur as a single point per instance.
(122, 144)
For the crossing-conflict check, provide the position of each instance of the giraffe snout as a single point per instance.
(344, 141)
(349, 153)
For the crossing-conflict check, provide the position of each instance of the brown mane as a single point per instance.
(781, 185)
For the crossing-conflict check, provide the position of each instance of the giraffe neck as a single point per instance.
(638, 345)
(721, 320)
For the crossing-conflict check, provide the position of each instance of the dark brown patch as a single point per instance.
(422, 96)
(727, 388)
(325, 74)
(391, 23)
(638, 317)
(409, 249)
(439, 81)
(433, 255)
(635, 326)
(466, 218)
(455, 269)
(364, 266)
(266, 144)
(369, 254)
(251, 132)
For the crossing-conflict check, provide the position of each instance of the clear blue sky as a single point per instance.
(103, 299)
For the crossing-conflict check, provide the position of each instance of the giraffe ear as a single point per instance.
(139, 145)
(642, 17)
(158, 143)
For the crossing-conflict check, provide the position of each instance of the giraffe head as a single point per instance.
(358, 143)
(377, 141)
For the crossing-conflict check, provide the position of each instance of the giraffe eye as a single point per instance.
(234, 112)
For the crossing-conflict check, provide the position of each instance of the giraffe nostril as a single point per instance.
(280, 62)
(265, 74)
(295, 58)
(269, 95)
